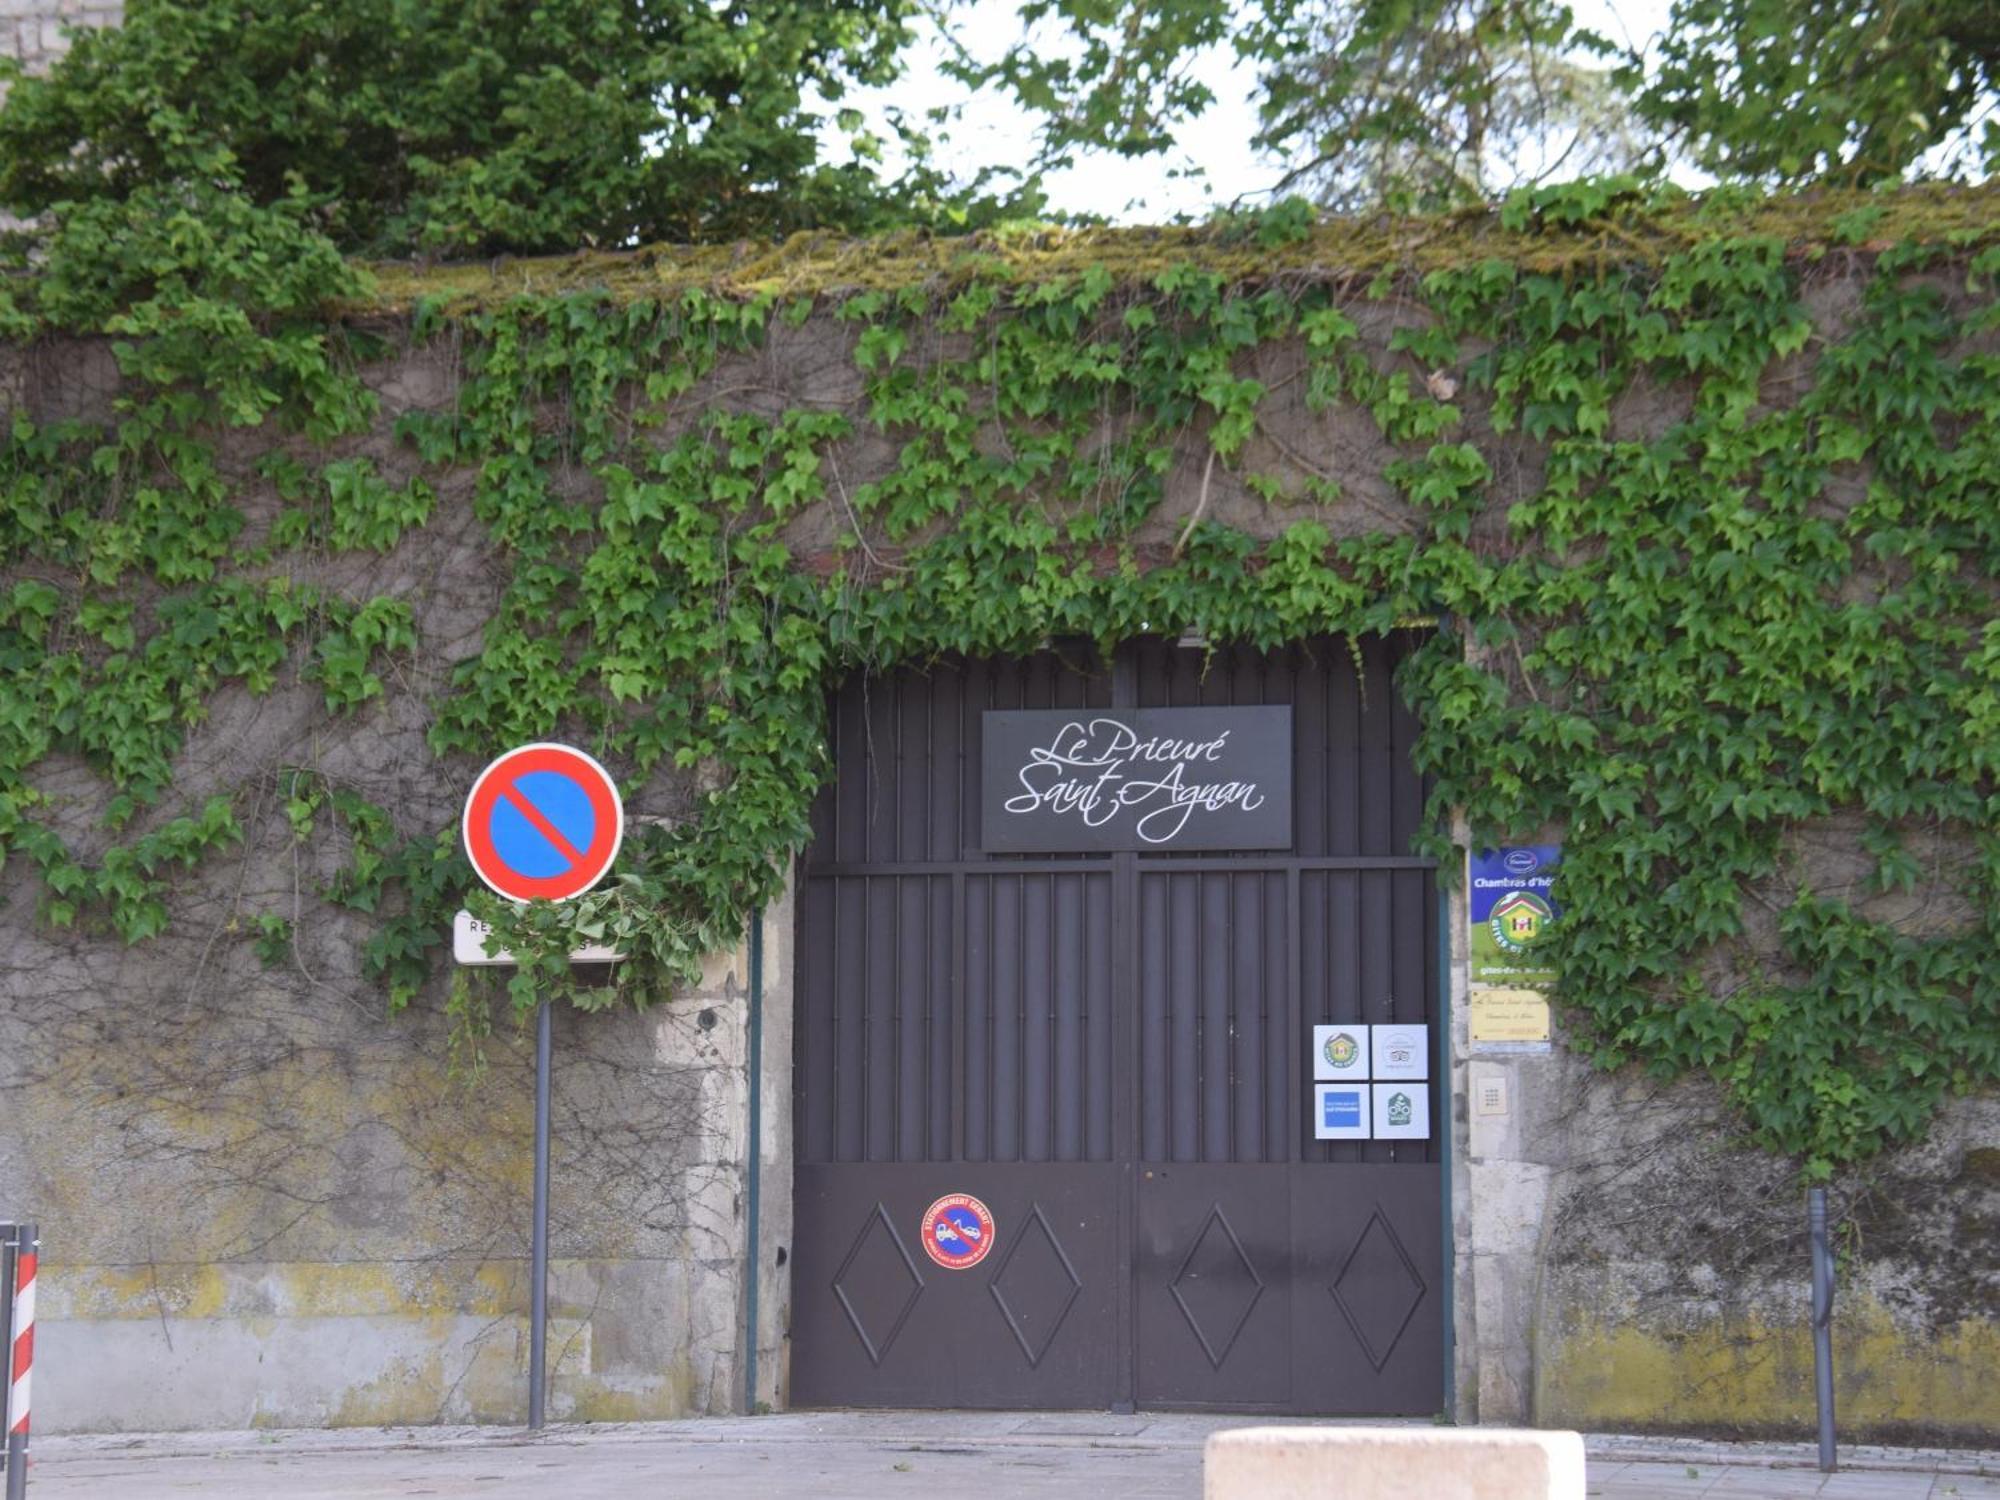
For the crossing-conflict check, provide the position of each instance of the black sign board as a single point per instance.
(1086, 780)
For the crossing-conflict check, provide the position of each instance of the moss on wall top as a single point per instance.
(1547, 232)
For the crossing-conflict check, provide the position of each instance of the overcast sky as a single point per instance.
(993, 131)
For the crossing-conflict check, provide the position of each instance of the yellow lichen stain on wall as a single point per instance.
(299, 1289)
(411, 1390)
(452, 1338)
(1748, 1376)
(594, 1400)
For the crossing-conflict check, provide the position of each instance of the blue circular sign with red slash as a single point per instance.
(957, 1231)
(543, 823)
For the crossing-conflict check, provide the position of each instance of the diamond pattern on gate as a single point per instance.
(1386, 1290)
(1206, 1277)
(1042, 1290)
(877, 1266)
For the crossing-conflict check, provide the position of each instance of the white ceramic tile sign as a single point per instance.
(1401, 1052)
(1402, 1112)
(1340, 1054)
(1340, 1112)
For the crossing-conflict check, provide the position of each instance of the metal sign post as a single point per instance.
(542, 823)
(1822, 1322)
(538, 1336)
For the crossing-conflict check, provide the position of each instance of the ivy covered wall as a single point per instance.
(1704, 495)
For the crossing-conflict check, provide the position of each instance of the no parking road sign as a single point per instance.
(544, 822)
(957, 1231)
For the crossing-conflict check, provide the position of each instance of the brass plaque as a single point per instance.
(1509, 1016)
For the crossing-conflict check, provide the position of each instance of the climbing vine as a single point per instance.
(1681, 641)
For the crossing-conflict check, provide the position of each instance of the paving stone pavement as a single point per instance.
(873, 1456)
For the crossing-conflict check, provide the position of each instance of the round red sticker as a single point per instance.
(957, 1231)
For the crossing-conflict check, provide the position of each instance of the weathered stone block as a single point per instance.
(1392, 1463)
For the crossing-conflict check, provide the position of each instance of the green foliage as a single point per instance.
(1779, 91)
(393, 126)
(129, 885)
(1692, 640)
(1438, 104)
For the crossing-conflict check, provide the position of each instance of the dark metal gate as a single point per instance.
(1112, 1052)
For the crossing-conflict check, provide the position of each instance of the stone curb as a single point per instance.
(836, 1428)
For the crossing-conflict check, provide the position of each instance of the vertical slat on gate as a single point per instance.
(958, 845)
(1215, 1019)
(1310, 770)
(976, 1069)
(909, 778)
(947, 759)
(847, 988)
(1005, 1013)
(1155, 1017)
(825, 827)
(1406, 789)
(1376, 783)
(878, 762)
(850, 789)
(1280, 1025)
(941, 1024)
(1343, 753)
(1378, 975)
(1434, 1013)
(1290, 1101)
(1183, 1003)
(1100, 1051)
(1072, 1074)
(1412, 998)
(1349, 918)
(1248, 998)
(1037, 1010)
(977, 698)
(1183, 1035)
(814, 1080)
(879, 1004)
(913, 1048)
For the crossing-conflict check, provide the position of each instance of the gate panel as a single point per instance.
(1213, 1286)
(876, 1322)
(1367, 1312)
(1368, 956)
(1038, 1062)
(1214, 950)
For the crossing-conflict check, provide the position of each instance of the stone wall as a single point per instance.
(265, 1201)
(33, 30)
(1633, 1269)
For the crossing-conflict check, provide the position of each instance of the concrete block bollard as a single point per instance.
(1392, 1463)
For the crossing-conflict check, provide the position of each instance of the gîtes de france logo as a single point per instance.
(1518, 919)
(1341, 1050)
(1399, 1108)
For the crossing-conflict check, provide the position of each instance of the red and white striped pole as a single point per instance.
(21, 1361)
(7, 1232)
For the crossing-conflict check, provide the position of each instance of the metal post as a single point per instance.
(754, 1228)
(538, 1315)
(27, 1244)
(7, 1232)
(1822, 1319)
